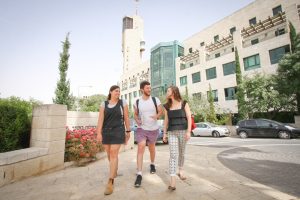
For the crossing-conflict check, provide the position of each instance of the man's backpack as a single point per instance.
(154, 101)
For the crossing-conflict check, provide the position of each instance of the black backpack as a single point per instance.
(154, 101)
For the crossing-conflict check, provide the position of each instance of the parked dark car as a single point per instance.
(266, 128)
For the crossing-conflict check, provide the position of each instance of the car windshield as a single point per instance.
(275, 122)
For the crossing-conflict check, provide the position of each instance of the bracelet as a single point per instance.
(128, 131)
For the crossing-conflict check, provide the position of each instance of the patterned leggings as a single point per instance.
(177, 149)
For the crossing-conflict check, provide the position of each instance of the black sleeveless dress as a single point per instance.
(113, 131)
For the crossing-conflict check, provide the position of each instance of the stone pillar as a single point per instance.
(49, 131)
(297, 121)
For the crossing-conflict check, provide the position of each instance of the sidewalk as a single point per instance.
(207, 179)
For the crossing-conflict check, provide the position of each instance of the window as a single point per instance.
(229, 68)
(121, 96)
(196, 77)
(252, 62)
(127, 23)
(232, 49)
(190, 50)
(279, 32)
(250, 123)
(183, 81)
(202, 44)
(182, 66)
(191, 64)
(232, 30)
(140, 93)
(252, 21)
(255, 41)
(217, 55)
(135, 94)
(216, 38)
(126, 96)
(211, 73)
(278, 53)
(214, 94)
(197, 95)
(230, 93)
(277, 10)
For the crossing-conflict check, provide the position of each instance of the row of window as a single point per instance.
(228, 92)
(277, 10)
(251, 62)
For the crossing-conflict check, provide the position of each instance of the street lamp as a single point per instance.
(78, 89)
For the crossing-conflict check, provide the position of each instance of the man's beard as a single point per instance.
(147, 94)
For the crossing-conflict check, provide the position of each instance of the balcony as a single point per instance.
(190, 56)
(219, 44)
(264, 25)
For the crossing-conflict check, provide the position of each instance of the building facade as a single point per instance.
(134, 70)
(163, 66)
(259, 32)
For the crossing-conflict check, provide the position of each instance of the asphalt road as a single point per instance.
(272, 162)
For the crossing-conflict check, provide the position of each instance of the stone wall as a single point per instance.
(46, 150)
(81, 119)
(47, 143)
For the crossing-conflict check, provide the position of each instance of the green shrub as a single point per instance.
(15, 123)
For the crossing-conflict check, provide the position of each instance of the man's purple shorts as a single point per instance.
(144, 135)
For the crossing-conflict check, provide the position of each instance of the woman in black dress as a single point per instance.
(113, 115)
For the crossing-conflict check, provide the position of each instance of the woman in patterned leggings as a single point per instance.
(177, 124)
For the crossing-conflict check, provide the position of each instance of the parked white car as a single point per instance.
(209, 129)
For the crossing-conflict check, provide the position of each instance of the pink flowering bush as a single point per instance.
(81, 143)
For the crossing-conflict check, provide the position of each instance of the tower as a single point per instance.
(133, 44)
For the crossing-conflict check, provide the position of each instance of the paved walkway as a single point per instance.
(207, 179)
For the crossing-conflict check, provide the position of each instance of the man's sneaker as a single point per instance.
(152, 169)
(138, 181)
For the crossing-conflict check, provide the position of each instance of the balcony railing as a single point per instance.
(263, 25)
(190, 56)
(219, 44)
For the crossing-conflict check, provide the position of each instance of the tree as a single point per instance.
(62, 91)
(288, 71)
(200, 107)
(294, 39)
(91, 104)
(242, 113)
(211, 117)
(262, 96)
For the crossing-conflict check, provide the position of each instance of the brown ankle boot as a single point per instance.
(109, 187)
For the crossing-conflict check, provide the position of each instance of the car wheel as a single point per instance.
(215, 134)
(284, 135)
(193, 135)
(243, 134)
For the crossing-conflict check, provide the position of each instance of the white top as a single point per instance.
(146, 110)
(113, 105)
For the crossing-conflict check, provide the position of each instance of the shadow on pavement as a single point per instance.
(281, 176)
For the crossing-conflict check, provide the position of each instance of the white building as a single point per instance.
(133, 46)
(260, 33)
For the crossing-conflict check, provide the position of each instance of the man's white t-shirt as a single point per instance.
(146, 111)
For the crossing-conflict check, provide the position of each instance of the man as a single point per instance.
(147, 110)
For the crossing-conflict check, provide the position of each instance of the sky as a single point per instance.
(32, 31)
